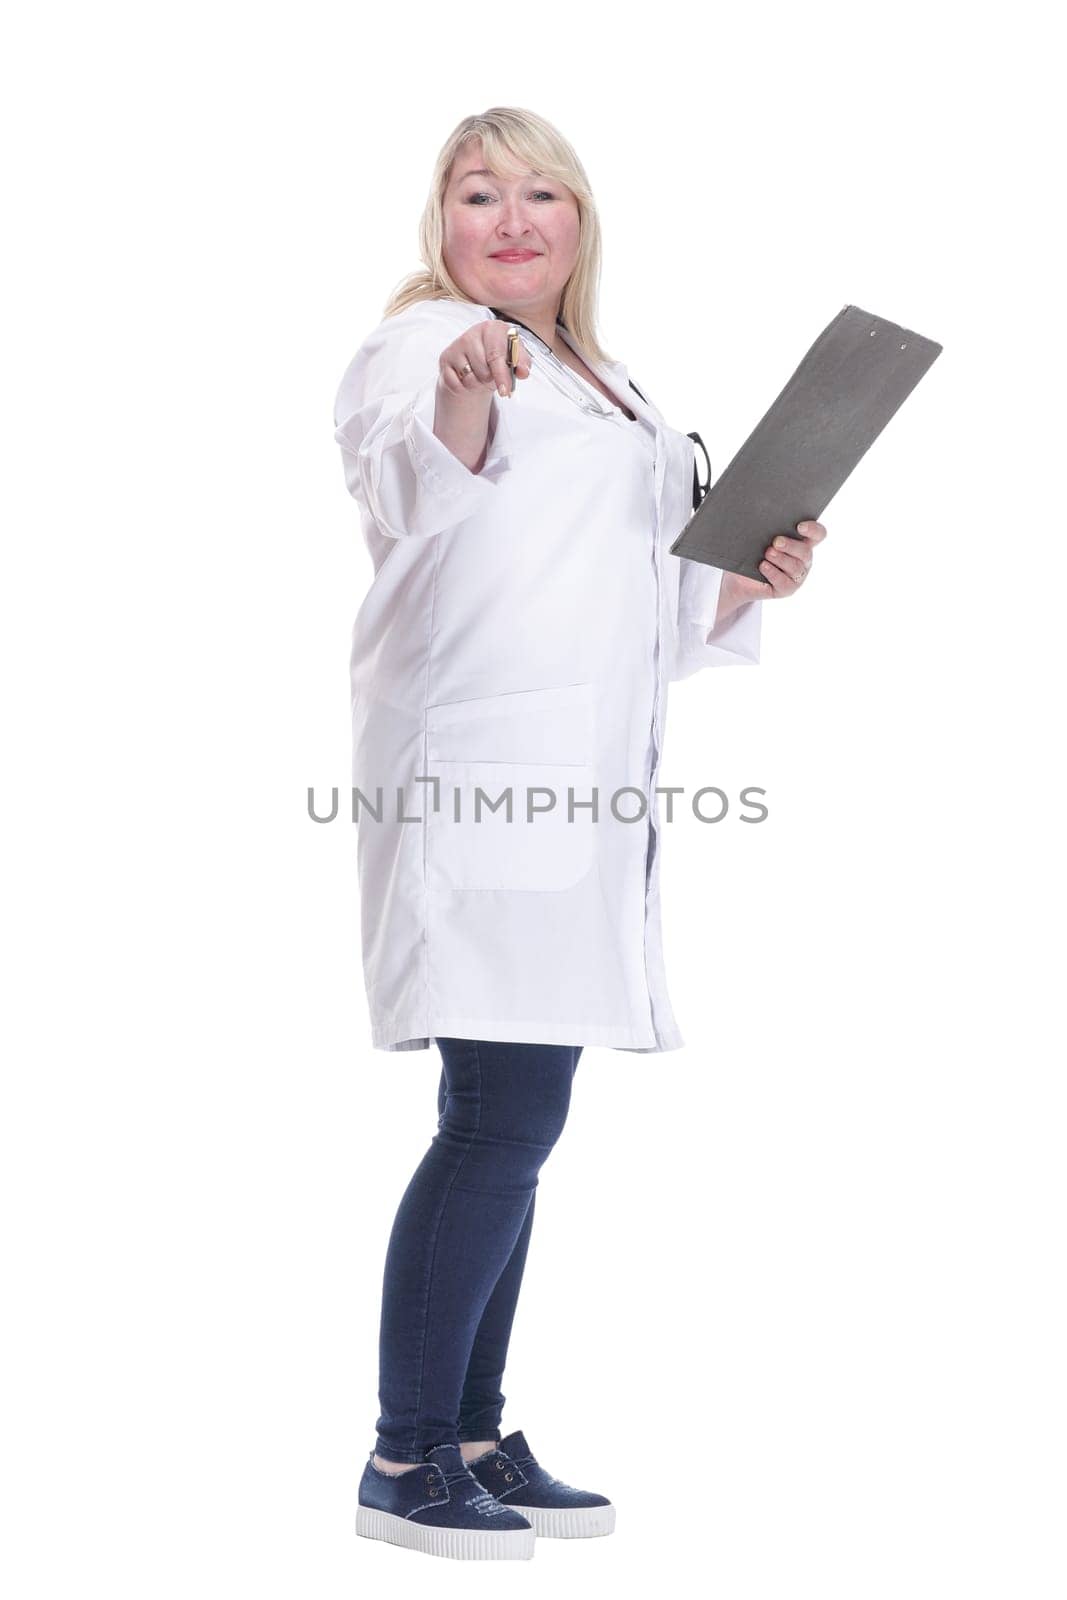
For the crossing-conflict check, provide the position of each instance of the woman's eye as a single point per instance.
(481, 195)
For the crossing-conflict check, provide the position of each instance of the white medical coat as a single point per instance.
(519, 633)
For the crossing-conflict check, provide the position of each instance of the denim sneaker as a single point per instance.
(441, 1509)
(555, 1510)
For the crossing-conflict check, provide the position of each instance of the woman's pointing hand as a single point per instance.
(477, 361)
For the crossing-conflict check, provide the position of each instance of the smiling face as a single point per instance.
(485, 215)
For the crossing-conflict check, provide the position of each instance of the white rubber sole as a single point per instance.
(462, 1544)
(580, 1522)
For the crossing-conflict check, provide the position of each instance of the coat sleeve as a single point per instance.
(735, 642)
(395, 466)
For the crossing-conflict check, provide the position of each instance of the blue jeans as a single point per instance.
(458, 1245)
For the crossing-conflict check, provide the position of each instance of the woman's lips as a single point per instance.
(515, 255)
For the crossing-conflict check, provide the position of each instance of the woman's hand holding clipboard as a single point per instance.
(855, 376)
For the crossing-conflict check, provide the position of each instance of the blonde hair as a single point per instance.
(513, 141)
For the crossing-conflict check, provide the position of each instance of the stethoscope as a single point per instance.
(585, 396)
(588, 399)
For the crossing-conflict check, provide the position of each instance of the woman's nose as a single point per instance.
(513, 218)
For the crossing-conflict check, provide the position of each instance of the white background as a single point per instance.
(794, 1298)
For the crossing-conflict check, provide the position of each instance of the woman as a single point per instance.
(510, 665)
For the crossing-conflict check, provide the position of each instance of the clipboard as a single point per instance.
(853, 380)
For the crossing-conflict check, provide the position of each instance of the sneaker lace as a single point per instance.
(483, 1501)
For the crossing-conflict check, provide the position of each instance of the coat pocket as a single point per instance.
(528, 752)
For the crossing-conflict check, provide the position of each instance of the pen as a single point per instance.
(513, 342)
